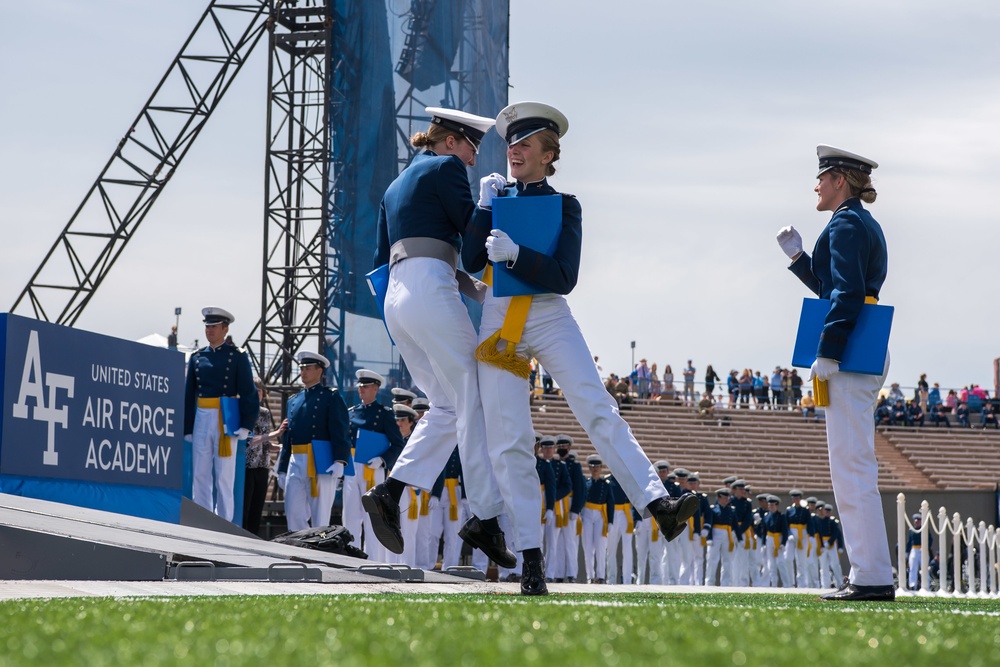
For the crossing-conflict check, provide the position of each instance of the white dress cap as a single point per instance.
(520, 120)
(215, 315)
(831, 158)
(305, 358)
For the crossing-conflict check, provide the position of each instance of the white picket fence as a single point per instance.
(976, 577)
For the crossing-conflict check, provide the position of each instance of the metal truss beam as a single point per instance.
(143, 162)
(293, 295)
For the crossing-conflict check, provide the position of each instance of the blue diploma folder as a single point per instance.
(378, 283)
(866, 346)
(322, 455)
(532, 222)
(230, 407)
(369, 445)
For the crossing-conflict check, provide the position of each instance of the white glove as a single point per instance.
(549, 515)
(790, 241)
(501, 248)
(189, 438)
(573, 516)
(282, 478)
(337, 469)
(376, 463)
(489, 187)
(241, 434)
(756, 519)
(704, 532)
(823, 368)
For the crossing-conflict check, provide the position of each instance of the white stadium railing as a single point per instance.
(975, 577)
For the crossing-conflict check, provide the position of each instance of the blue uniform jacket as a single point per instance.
(704, 507)
(848, 263)
(557, 274)
(220, 371)
(547, 479)
(452, 470)
(775, 522)
(316, 413)
(797, 514)
(380, 419)
(720, 516)
(579, 483)
(564, 485)
(430, 198)
(599, 492)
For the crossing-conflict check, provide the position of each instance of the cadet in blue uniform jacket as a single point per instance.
(914, 550)
(848, 267)
(315, 413)
(775, 538)
(598, 512)
(718, 530)
(422, 218)
(549, 333)
(220, 369)
(370, 415)
(570, 534)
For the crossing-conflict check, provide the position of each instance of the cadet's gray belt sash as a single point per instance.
(424, 246)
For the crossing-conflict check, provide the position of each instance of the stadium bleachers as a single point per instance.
(779, 449)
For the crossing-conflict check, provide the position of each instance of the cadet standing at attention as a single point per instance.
(315, 413)
(220, 369)
(369, 415)
(848, 267)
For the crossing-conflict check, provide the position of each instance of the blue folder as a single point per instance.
(369, 445)
(378, 283)
(866, 346)
(230, 407)
(532, 222)
(322, 455)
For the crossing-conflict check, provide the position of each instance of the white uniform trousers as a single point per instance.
(444, 527)
(595, 544)
(426, 552)
(830, 572)
(719, 559)
(672, 563)
(760, 557)
(508, 529)
(552, 336)
(699, 561)
(431, 327)
(555, 556)
(569, 545)
(409, 505)
(747, 558)
(302, 509)
(778, 566)
(618, 535)
(209, 470)
(850, 434)
(812, 563)
(795, 554)
(657, 548)
(688, 553)
(913, 562)
(549, 532)
(641, 536)
(356, 520)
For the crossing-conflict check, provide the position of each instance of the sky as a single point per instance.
(693, 131)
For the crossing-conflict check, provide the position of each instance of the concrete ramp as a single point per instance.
(46, 540)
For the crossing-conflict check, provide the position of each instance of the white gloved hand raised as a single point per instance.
(376, 463)
(790, 241)
(336, 469)
(823, 368)
(489, 187)
(501, 248)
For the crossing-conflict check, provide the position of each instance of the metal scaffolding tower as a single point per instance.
(143, 162)
(296, 249)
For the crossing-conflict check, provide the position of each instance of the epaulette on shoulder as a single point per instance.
(387, 408)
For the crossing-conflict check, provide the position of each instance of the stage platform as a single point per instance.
(47, 541)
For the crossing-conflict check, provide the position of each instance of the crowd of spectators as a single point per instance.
(970, 407)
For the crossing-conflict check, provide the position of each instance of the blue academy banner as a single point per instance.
(866, 346)
(85, 408)
(533, 222)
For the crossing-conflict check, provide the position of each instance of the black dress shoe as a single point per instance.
(854, 593)
(384, 514)
(475, 535)
(533, 578)
(671, 514)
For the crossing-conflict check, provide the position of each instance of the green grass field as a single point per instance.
(710, 630)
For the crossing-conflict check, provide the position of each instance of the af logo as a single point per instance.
(45, 406)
